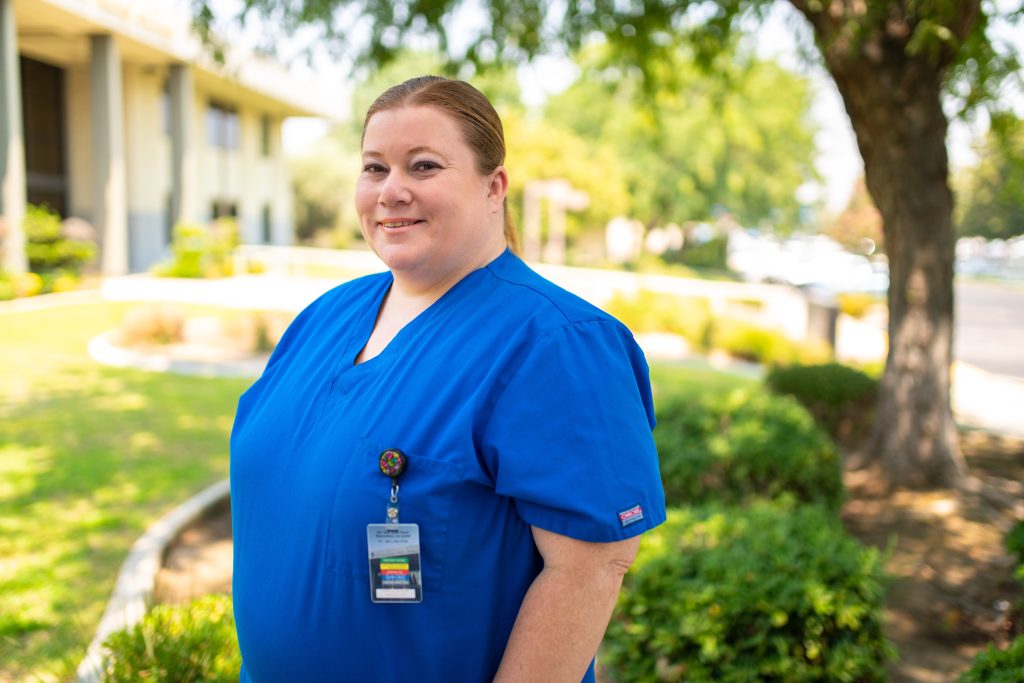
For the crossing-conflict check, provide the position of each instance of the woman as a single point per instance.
(494, 429)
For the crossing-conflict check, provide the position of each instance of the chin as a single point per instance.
(401, 256)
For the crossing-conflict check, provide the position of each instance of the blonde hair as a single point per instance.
(472, 111)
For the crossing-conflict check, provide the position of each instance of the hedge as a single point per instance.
(743, 445)
(841, 399)
(771, 592)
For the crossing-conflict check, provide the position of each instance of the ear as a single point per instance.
(497, 188)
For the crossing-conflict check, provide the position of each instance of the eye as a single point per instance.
(374, 169)
(425, 166)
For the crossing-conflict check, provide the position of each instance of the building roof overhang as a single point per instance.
(150, 36)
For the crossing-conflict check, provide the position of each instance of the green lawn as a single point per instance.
(89, 457)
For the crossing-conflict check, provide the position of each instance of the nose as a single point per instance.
(395, 190)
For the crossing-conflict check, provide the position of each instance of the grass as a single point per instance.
(89, 457)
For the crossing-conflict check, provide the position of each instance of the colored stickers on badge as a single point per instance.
(394, 555)
(392, 463)
(631, 516)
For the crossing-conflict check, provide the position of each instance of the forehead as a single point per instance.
(403, 128)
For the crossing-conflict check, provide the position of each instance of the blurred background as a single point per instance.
(178, 183)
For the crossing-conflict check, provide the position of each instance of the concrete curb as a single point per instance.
(130, 599)
(103, 351)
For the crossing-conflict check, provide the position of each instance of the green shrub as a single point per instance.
(856, 304)
(47, 248)
(772, 592)
(997, 666)
(1015, 541)
(177, 644)
(841, 399)
(742, 445)
(201, 251)
(761, 345)
(648, 311)
(711, 254)
(7, 289)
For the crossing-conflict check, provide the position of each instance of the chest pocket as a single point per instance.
(426, 490)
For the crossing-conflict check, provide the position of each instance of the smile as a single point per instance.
(401, 223)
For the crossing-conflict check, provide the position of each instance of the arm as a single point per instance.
(566, 610)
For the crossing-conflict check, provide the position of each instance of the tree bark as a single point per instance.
(894, 103)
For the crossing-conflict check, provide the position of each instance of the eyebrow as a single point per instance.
(412, 151)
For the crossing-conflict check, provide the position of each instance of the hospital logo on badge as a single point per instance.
(631, 516)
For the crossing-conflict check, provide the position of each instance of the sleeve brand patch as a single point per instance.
(631, 516)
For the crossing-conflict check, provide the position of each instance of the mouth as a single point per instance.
(397, 223)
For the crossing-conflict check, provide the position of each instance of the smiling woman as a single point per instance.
(453, 458)
(424, 207)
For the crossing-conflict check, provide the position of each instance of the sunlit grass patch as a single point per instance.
(89, 457)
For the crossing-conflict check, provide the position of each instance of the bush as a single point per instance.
(743, 445)
(177, 644)
(855, 304)
(258, 331)
(155, 324)
(201, 251)
(773, 592)
(711, 254)
(7, 289)
(1015, 541)
(27, 284)
(997, 666)
(841, 399)
(648, 311)
(48, 249)
(770, 347)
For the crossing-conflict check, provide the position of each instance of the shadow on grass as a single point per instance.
(87, 461)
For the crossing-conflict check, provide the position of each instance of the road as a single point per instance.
(990, 326)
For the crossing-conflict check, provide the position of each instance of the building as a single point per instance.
(111, 112)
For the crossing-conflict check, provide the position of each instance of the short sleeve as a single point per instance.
(569, 439)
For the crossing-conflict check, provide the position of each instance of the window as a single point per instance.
(221, 126)
(265, 135)
(223, 208)
(267, 225)
(43, 114)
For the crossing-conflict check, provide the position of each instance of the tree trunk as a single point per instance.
(895, 107)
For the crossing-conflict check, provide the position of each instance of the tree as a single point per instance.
(741, 143)
(859, 221)
(992, 193)
(892, 61)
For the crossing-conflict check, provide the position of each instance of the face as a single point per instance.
(423, 206)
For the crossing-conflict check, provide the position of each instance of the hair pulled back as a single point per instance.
(478, 122)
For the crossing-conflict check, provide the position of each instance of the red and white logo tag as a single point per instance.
(631, 516)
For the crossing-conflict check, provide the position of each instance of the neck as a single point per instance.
(430, 287)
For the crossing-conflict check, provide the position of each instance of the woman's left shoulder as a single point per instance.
(549, 305)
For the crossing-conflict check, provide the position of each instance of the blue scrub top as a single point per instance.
(518, 405)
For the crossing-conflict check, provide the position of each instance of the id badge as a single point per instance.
(395, 572)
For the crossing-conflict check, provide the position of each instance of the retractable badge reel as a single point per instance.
(394, 548)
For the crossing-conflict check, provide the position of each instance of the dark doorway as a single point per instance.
(43, 119)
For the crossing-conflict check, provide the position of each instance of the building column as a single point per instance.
(12, 147)
(181, 90)
(106, 99)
